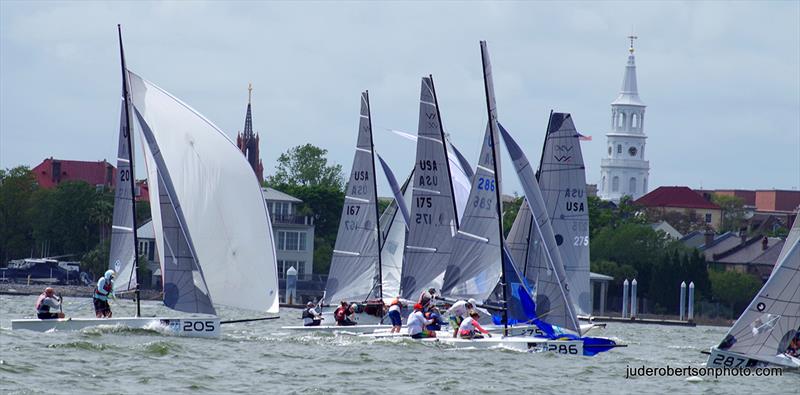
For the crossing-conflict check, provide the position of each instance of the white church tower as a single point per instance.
(625, 171)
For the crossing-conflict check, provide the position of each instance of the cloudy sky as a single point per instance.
(721, 79)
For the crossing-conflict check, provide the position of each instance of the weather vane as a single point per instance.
(249, 92)
(632, 37)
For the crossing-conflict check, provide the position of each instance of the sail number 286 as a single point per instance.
(486, 184)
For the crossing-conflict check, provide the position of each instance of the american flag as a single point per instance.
(582, 137)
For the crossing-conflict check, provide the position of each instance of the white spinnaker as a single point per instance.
(221, 199)
(392, 251)
(155, 209)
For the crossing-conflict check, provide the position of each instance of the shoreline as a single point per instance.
(72, 291)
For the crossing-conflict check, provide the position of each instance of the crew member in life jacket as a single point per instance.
(48, 300)
(310, 316)
(103, 291)
(343, 313)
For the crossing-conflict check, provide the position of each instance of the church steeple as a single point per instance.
(625, 171)
(248, 140)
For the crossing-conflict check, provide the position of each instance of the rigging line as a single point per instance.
(249, 320)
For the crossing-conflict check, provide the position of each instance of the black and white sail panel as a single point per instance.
(432, 213)
(772, 319)
(355, 263)
(544, 268)
(562, 180)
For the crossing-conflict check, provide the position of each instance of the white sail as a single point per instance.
(155, 209)
(772, 319)
(355, 265)
(394, 238)
(122, 257)
(562, 180)
(225, 213)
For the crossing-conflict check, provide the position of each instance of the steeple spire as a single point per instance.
(629, 94)
(248, 119)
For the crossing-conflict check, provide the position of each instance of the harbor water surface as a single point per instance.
(260, 357)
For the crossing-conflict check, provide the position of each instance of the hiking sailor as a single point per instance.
(426, 299)
(103, 291)
(343, 313)
(310, 315)
(458, 311)
(48, 300)
(471, 328)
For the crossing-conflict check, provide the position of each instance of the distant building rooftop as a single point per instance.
(276, 195)
(52, 172)
(677, 196)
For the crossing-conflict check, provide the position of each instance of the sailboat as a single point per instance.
(477, 278)
(762, 334)
(211, 222)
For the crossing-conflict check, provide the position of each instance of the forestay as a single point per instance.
(562, 180)
(223, 209)
(772, 319)
(544, 268)
(122, 252)
(354, 273)
(433, 214)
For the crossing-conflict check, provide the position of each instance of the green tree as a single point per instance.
(510, 211)
(306, 165)
(613, 269)
(734, 288)
(682, 222)
(733, 212)
(17, 186)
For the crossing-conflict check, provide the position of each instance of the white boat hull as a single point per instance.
(353, 329)
(726, 359)
(529, 344)
(191, 327)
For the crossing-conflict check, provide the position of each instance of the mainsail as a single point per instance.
(221, 206)
(772, 319)
(122, 255)
(519, 237)
(474, 268)
(355, 266)
(562, 180)
(544, 268)
(433, 213)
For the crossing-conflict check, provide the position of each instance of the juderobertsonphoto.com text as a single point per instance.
(689, 371)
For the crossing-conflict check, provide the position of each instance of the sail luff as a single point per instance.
(377, 209)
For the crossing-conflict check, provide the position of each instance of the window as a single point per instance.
(609, 150)
(280, 209)
(603, 188)
(708, 218)
(634, 121)
(615, 184)
(619, 148)
(632, 186)
(291, 241)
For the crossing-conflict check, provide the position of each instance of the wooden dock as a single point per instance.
(639, 320)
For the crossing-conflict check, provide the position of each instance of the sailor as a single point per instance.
(103, 291)
(427, 298)
(310, 315)
(435, 316)
(48, 300)
(417, 323)
(794, 346)
(471, 328)
(342, 315)
(394, 315)
(458, 311)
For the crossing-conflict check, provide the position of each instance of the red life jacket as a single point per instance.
(108, 287)
(339, 314)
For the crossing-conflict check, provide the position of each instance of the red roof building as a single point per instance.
(52, 172)
(684, 200)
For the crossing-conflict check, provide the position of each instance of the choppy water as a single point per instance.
(259, 357)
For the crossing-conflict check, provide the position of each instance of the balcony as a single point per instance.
(291, 219)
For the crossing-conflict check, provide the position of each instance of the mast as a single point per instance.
(492, 112)
(375, 188)
(444, 146)
(128, 128)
